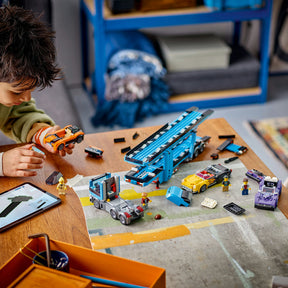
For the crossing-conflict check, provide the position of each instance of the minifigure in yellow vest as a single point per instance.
(226, 184)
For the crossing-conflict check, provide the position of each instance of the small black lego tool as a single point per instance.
(135, 135)
(231, 159)
(234, 208)
(226, 136)
(119, 140)
(126, 149)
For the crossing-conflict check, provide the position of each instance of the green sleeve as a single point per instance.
(18, 120)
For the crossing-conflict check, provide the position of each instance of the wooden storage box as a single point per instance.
(44, 277)
(87, 262)
(152, 5)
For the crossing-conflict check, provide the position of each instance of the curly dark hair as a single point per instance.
(27, 50)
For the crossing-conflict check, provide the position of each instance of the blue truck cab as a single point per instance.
(104, 194)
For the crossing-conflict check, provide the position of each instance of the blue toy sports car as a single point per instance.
(178, 196)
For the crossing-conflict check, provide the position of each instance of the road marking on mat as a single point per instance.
(123, 239)
(127, 194)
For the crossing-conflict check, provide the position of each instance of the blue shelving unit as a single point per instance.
(93, 11)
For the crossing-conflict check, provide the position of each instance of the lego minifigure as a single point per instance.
(225, 184)
(145, 200)
(61, 187)
(245, 188)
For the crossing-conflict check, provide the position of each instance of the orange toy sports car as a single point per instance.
(63, 137)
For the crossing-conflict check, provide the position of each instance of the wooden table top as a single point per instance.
(66, 222)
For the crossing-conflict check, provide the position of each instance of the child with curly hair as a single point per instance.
(27, 62)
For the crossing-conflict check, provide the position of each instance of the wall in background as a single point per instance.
(66, 21)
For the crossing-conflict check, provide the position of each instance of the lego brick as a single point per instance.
(224, 145)
(234, 208)
(126, 149)
(34, 148)
(231, 159)
(135, 135)
(54, 178)
(279, 282)
(226, 136)
(94, 152)
(119, 140)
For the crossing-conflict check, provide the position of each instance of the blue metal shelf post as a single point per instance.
(264, 51)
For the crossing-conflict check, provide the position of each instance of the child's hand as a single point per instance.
(67, 149)
(22, 162)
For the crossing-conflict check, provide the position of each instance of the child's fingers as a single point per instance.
(30, 166)
(70, 146)
(22, 162)
(27, 151)
(25, 173)
(67, 150)
(27, 146)
(33, 155)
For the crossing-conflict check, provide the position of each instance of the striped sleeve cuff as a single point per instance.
(38, 137)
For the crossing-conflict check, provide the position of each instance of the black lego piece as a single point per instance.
(225, 144)
(54, 178)
(234, 208)
(135, 136)
(226, 136)
(214, 156)
(119, 140)
(126, 149)
(231, 159)
(94, 152)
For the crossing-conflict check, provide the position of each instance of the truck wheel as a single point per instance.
(96, 204)
(113, 214)
(60, 147)
(122, 220)
(196, 153)
(201, 148)
(203, 188)
(80, 139)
